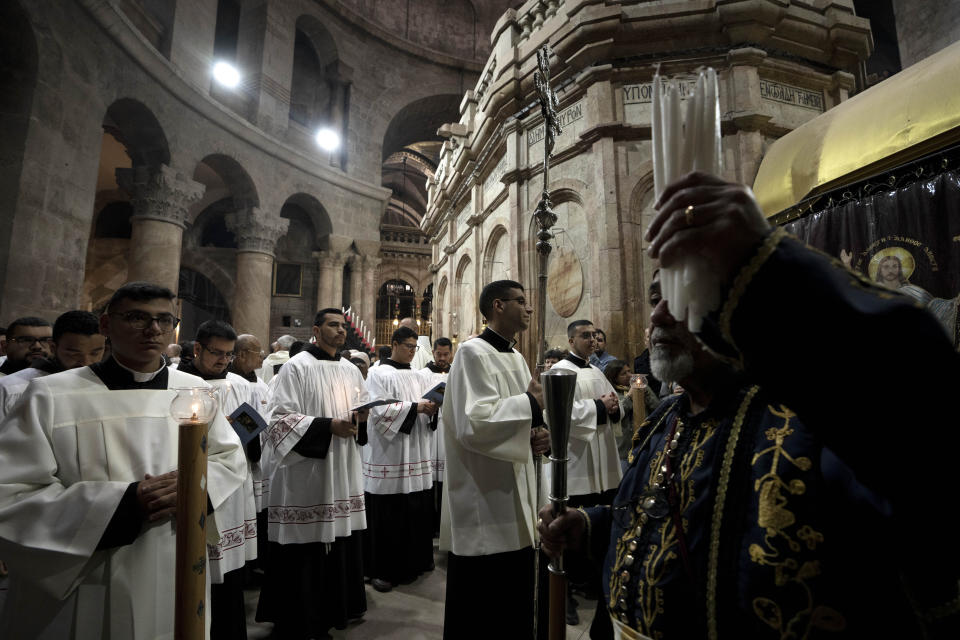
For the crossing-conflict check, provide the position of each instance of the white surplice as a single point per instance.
(489, 490)
(394, 462)
(439, 455)
(237, 516)
(68, 452)
(13, 386)
(312, 499)
(593, 464)
(424, 353)
(261, 402)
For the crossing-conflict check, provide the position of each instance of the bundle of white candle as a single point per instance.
(681, 144)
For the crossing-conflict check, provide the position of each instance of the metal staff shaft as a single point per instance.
(559, 387)
(545, 218)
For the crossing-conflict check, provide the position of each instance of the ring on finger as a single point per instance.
(688, 215)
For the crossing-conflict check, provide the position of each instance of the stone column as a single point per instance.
(356, 283)
(161, 198)
(329, 278)
(257, 234)
(371, 269)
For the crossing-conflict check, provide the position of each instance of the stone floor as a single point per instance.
(409, 612)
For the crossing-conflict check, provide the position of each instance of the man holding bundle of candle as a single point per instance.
(755, 506)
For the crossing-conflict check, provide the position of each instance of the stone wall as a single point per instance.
(779, 64)
(925, 27)
(77, 60)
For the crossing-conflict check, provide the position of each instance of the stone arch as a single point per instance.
(317, 214)
(419, 120)
(464, 315)
(635, 263)
(229, 188)
(496, 263)
(139, 131)
(571, 232)
(19, 60)
(441, 314)
(210, 228)
(224, 175)
(395, 298)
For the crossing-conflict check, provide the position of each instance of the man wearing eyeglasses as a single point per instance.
(77, 342)
(398, 469)
(28, 339)
(88, 485)
(492, 414)
(213, 351)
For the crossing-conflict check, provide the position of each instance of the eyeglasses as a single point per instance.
(27, 341)
(412, 347)
(262, 354)
(216, 353)
(521, 300)
(141, 319)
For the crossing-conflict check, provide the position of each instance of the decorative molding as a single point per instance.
(160, 193)
(255, 230)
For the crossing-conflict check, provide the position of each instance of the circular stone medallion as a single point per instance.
(564, 281)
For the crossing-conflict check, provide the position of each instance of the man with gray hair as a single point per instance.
(423, 355)
(273, 362)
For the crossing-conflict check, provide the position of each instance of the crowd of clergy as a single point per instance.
(325, 474)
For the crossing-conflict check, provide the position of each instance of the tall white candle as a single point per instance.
(656, 136)
(673, 138)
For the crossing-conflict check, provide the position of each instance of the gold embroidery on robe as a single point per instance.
(784, 538)
(659, 556)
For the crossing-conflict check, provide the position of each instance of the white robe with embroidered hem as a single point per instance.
(312, 499)
(593, 463)
(489, 490)
(68, 452)
(394, 462)
(261, 397)
(237, 516)
(439, 455)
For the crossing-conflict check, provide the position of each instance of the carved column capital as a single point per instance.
(160, 193)
(255, 230)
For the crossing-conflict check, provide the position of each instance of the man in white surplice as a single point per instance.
(88, 486)
(493, 409)
(213, 349)
(436, 372)
(398, 469)
(593, 467)
(316, 510)
(77, 342)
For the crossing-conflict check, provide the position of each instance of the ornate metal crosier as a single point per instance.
(544, 214)
(545, 218)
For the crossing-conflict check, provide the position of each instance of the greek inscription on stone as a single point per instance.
(643, 93)
(791, 95)
(567, 116)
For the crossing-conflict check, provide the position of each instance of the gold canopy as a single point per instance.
(905, 117)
